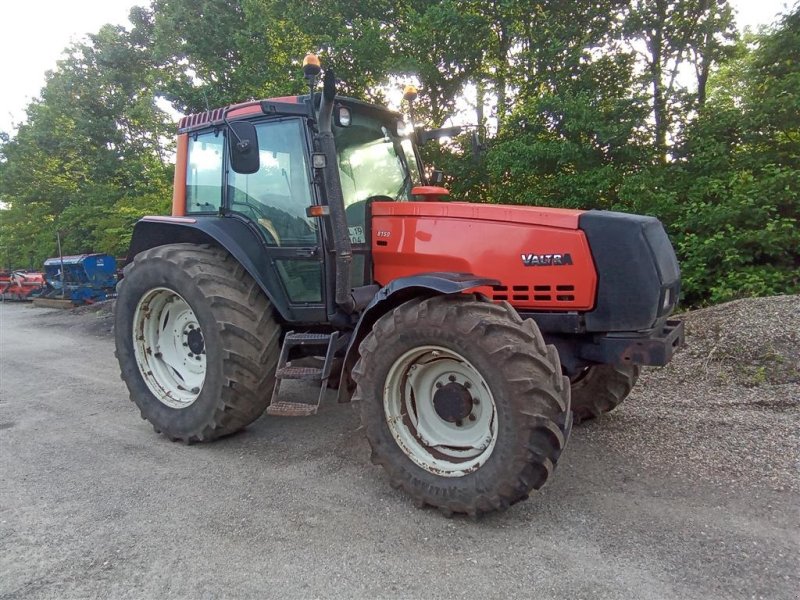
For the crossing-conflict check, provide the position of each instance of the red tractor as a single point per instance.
(472, 334)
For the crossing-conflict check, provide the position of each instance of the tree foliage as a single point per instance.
(650, 106)
(90, 157)
(736, 186)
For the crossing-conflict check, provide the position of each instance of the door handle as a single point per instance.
(308, 252)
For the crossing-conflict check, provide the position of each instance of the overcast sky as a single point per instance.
(36, 31)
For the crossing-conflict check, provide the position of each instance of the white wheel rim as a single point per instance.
(442, 446)
(169, 347)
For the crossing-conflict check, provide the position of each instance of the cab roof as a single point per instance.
(282, 105)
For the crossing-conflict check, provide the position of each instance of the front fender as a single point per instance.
(396, 293)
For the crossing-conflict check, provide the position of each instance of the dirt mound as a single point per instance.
(725, 409)
(106, 307)
(749, 342)
(95, 319)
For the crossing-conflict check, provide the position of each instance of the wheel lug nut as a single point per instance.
(185, 345)
(459, 423)
(452, 378)
(467, 384)
(197, 357)
(190, 355)
(438, 384)
(472, 417)
(475, 401)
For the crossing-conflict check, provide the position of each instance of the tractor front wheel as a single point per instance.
(463, 404)
(600, 389)
(197, 342)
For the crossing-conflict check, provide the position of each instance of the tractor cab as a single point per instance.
(375, 158)
(282, 195)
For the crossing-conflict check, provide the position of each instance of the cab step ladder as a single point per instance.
(333, 342)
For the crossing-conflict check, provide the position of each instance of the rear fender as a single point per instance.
(234, 235)
(396, 293)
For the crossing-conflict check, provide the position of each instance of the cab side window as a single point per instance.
(204, 173)
(276, 197)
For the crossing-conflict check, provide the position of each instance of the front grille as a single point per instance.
(534, 293)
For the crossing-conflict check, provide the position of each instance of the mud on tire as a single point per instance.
(600, 389)
(241, 339)
(523, 374)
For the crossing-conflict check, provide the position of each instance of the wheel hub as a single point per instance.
(453, 402)
(440, 411)
(169, 347)
(194, 338)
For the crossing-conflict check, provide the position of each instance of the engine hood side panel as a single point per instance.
(539, 255)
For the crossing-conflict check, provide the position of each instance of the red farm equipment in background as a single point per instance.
(21, 285)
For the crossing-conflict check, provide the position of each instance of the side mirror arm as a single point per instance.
(426, 135)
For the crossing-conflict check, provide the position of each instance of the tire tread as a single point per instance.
(541, 400)
(247, 327)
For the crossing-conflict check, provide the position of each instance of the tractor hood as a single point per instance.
(533, 215)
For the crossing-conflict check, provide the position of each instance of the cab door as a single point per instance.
(274, 200)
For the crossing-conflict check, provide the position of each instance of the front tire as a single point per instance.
(197, 341)
(463, 404)
(600, 389)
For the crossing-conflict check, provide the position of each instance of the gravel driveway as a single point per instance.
(689, 490)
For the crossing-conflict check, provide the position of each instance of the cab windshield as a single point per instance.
(374, 160)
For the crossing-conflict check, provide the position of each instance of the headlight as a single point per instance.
(343, 117)
(667, 299)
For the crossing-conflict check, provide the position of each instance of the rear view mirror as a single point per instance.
(243, 147)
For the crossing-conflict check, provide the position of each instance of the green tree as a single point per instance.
(596, 108)
(93, 146)
(732, 197)
(575, 129)
(211, 53)
(667, 35)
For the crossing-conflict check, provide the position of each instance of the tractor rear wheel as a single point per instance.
(600, 389)
(463, 404)
(197, 342)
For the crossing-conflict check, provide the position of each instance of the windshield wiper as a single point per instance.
(403, 186)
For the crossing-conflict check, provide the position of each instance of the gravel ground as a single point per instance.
(735, 389)
(688, 490)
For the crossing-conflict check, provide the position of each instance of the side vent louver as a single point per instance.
(533, 293)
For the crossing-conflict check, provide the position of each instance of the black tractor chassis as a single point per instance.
(653, 348)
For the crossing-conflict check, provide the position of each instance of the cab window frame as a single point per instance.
(193, 137)
(315, 192)
(285, 253)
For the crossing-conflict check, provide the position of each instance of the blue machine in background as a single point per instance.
(87, 277)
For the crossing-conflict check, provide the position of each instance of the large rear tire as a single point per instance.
(463, 404)
(197, 341)
(600, 389)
